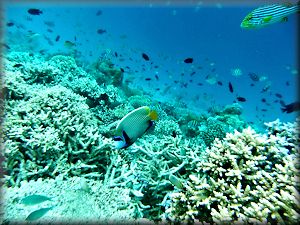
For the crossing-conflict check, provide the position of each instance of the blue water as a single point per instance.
(168, 34)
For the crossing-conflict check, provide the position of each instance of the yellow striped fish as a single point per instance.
(134, 125)
(266, 15)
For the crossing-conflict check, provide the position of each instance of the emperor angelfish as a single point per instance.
(265, 15)
(134, 125)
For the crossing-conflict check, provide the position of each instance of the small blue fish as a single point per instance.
(38, 213)
(34, 199)
(266, 15)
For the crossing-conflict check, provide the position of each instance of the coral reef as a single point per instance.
(215, 125)
(246, 178)
(50, 129)
(58, 124)
(161, 165)
(52, 132)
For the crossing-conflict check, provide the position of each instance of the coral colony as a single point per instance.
(61, 163)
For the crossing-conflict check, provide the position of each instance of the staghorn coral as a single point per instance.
(288, 131)
(246, 178)
(64, 71)
(161, 164)
(51, 128)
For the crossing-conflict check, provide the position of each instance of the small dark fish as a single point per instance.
(156, 77)
(251, 84)
(38, 213)
(42, 51)
(241, 99)
(49, 30)
(278, 95)
(253, 76)
(157, 89)
(69, 44)
(184, 85)
(173, 134)
(263, 100)
(101, 31)
(5, 45)
(34, 199)
(49, 23)
(148, 78)
(282, 103)
(188, 60)
(265, 88)
(192, 73)
(230, 87)
(122, 70)
(156, 67)
(295, 106)
(116, 54)
(34, 11)
(57, 38)
(10, 24)
(18, 65)
(264, 110)
(99, 12)
(200, 84)
(220, 83)
(287, 83)
(146, 57)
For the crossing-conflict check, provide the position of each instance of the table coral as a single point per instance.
(246, 178)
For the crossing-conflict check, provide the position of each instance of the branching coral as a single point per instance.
(245, 178)
(52, 127)
(161, 166)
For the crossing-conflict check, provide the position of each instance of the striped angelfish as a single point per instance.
(265, 15)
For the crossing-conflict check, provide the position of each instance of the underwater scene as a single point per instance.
(150, 112)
